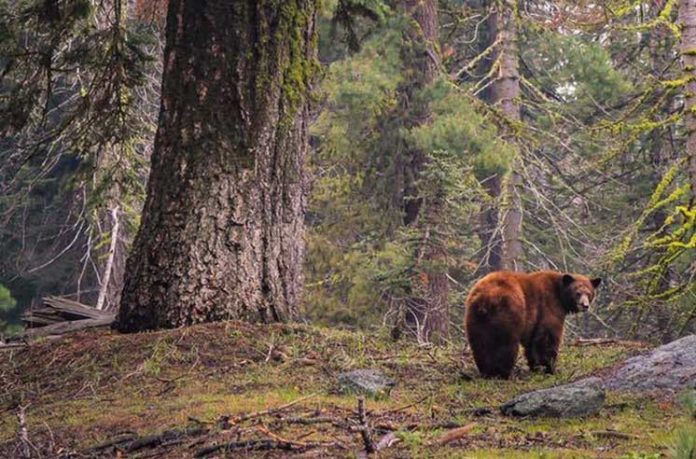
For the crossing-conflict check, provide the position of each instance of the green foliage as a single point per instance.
(361, 257)
(7, 306)
(456, 127)
(79, 96)
(580, 70)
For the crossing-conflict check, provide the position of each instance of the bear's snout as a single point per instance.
(584, 303)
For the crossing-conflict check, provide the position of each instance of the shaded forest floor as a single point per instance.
(206, 385)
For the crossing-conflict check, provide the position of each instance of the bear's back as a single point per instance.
(500, 292)
(517, 297)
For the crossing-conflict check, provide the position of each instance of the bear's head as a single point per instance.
(578, 292)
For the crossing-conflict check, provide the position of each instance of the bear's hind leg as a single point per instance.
(505, 357)
(493, 358)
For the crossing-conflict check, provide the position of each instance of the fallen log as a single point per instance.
(63, 328)
(58, 316)
(57, 310)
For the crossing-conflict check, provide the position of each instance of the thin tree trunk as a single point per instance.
(108, 269)
(505, 94)
(222, 228)
(489, 233)
(687, 18)
(429, 307)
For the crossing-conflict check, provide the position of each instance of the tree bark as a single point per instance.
(505, 248)
(428, 310)
(222, 229)
(687, 18)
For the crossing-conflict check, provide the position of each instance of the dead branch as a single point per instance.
(317, 420)
(581, 342)
(613, 434)
(166, 437)
(260, 445)
(455, 434)
(116, 441)
(256, 414)
(131, 442)
(405, 407)
(263, 429)
(365, 430)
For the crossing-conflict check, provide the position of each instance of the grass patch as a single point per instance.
(93, 386)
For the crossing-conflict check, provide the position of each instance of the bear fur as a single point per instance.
(506, 309)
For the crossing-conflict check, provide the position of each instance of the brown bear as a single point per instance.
(506, 309)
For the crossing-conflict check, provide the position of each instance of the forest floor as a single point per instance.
(174, 393)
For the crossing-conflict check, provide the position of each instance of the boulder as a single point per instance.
(670, 367)
(371, 382)
(561, 402)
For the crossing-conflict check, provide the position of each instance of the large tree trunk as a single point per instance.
(687, 18)
(505, 247)
(222, 229)
(428, 308)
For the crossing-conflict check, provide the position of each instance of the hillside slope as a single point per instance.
(208, 385)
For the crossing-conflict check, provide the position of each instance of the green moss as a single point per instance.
(288, 52)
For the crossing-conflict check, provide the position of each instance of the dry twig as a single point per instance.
(257, 414)
(365, 430)
(455, 434)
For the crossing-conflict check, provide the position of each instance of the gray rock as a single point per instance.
(560, 402)
(592, 382)
(369, 381)
(672, 367)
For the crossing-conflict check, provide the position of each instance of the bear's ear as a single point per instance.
(567, 280)
(596, 281)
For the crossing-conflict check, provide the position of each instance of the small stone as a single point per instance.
(369, 381)
(559, 402)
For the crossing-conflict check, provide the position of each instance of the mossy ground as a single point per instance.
(89, 387)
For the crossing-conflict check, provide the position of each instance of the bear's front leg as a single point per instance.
(530, 353)
(545, 349)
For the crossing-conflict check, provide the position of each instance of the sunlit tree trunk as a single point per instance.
(428, 310)
(222, 228)
(111, 277)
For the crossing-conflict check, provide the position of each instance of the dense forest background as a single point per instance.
(448, 139)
